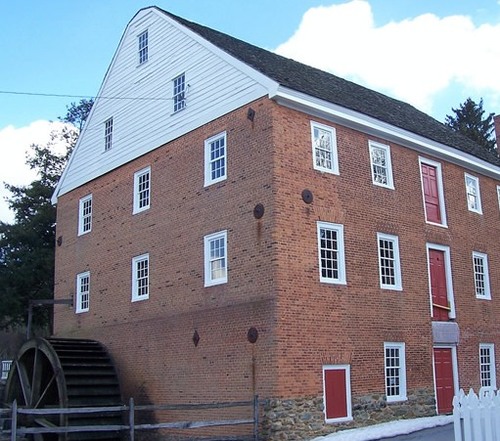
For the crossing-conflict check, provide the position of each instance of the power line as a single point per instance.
(57, 95)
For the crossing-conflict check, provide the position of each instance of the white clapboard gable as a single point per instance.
(139, 96)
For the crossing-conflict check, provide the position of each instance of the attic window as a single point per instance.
(108, 134)
(143, 47)
(179, 92)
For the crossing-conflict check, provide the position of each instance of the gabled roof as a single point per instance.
(319, 84)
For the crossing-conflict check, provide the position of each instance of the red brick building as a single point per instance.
(238, 223)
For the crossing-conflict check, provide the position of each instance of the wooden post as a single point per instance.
(13, 424)
(131, 419)
(41, 302)
(30, 319)
(256, 418)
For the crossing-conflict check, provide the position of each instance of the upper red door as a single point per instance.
(443, 368)
(431, 193)
(439, 291)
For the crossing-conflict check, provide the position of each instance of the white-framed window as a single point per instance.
(142, 190)
(85, 215)
(142, 41)
(337, 393)
(6, 365)
(179, 95)
(481, 275)
(395, 371)
(82, 292)
(140, 277)
(380, 160)
(498, 195)
(433, 192)
(324, 147)
(473, 193)
(487, 370)
(389, 262)
(108, 134)
(215, 159)
(215, 247)
(331, 253)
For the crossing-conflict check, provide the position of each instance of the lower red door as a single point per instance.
(443, 369)
(335, 393)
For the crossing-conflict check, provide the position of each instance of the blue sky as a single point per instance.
(432, 54)
(64, 47)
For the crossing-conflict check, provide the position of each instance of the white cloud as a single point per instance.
(14, 145)
(413, 59)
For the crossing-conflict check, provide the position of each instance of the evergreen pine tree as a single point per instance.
(470, 120)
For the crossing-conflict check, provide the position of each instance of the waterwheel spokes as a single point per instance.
(44, 422)
(24, 382)
(45, 390)
(36, 378)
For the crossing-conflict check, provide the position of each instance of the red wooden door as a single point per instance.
(438, 285)
(335, 393)
(443, 369)
(431, 193)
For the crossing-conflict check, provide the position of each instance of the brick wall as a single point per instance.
(273, 267)
(151, 340)
(336, 324)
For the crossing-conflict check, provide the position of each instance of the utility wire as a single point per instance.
(56, 95)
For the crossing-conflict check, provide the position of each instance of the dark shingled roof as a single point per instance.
(336, 90)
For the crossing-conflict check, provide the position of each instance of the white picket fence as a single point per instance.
(477, 418)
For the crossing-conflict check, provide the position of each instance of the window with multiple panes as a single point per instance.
(331, 253)
(140, 277)
(142, 189)
(108, 134)
(389, 263)
(380, 159)
(6, 365)
(337, 393)
(215, 159)
(215, 246)
(432, 188)
(324, 146)
(487, 368)
(395, 371)
(481, 275)
(85, 215)
(143, 47)
(473, 195)
(179, 96)
(82, 292)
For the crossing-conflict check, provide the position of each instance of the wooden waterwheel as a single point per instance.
(64, 373)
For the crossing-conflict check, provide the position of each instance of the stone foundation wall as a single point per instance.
(303, 418)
